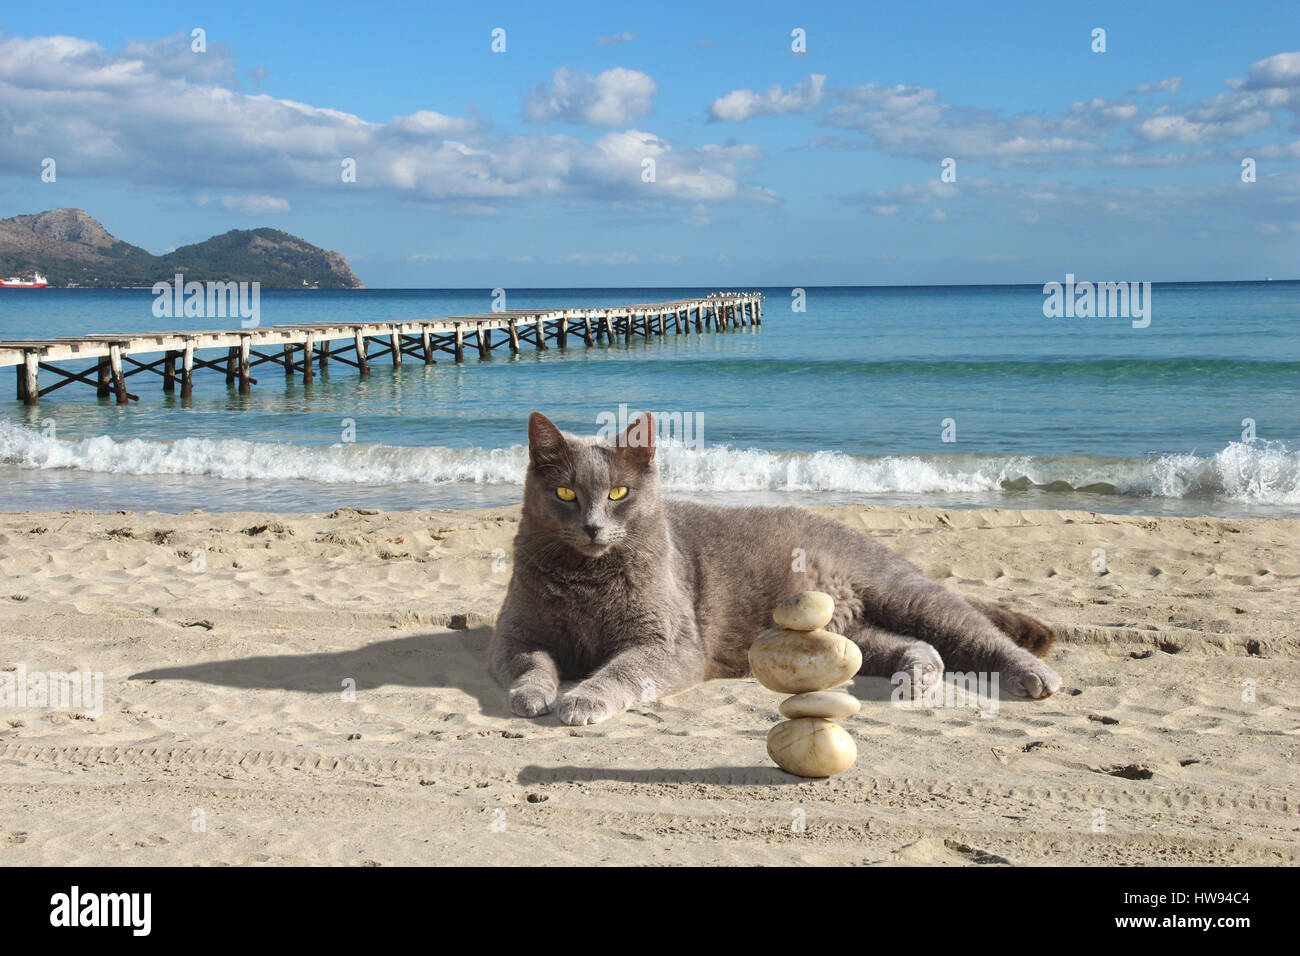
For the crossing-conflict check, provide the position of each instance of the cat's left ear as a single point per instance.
(637, 443)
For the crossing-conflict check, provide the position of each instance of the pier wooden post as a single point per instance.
(115, 368)
(699, 318)
(460, 344)
(232, 357)
(541, 334)
(324, 352)
(288, 361)
(562, 337)
(586, 329)
(169, 371)
(307, 348)
(245, 370)
(187, 371)
(31, 387)
(484, 343)
(514, 336)
(363, 361)
(426, 341)
(102, 389)
(396, 339)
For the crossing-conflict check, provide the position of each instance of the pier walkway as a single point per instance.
(300, 349)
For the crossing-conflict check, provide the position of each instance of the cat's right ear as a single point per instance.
(546, 445)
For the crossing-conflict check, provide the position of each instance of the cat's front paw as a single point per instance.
(530, 701)
(919, 673)
(579, 707)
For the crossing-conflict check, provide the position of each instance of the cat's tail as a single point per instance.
(1031, 634)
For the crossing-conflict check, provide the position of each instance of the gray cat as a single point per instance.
(637, 598)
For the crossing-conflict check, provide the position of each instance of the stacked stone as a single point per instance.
(798, 657)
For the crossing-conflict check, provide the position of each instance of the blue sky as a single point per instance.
(771, 166)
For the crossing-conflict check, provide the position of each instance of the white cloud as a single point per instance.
(248, 205)
(114, 116)
(1270, 84)
(892, 201)
(1221, 118)
(618, 39)
(1272, 204)
(429, 123)
(1279, 70)
(740, 105)
(1170, 85)
(617, 97)
(602, 258)
(913, 121)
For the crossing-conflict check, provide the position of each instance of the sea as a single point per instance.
(950, 396)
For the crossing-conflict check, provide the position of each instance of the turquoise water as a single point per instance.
(845, 402)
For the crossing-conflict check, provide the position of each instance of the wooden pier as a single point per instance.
(299, 349)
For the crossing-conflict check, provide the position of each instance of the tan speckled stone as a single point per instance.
(805, 611)
(820, 703)
(811, 747)
(794, 662)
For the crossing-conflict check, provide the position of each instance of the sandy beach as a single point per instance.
(228, 643)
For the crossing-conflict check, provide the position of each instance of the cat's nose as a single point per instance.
(591, 530)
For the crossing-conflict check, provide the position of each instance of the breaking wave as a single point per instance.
(1256, 472)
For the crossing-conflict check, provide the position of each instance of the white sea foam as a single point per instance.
(1260, 472)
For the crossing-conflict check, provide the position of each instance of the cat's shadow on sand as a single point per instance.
(457, 659)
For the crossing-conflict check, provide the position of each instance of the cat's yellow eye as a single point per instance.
(566, 494)
(616, 493)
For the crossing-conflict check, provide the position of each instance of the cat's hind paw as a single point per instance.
(530, 701)
(579, 707)
(1032, 680)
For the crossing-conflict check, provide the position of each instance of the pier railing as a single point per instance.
(300, 349)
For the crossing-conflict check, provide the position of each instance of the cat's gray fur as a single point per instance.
(640, 598)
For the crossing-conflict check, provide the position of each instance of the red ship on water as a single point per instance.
(37, 282)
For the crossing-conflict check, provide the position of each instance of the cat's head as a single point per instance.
(590, 495)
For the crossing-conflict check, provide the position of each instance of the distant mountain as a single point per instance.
(71, 248)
